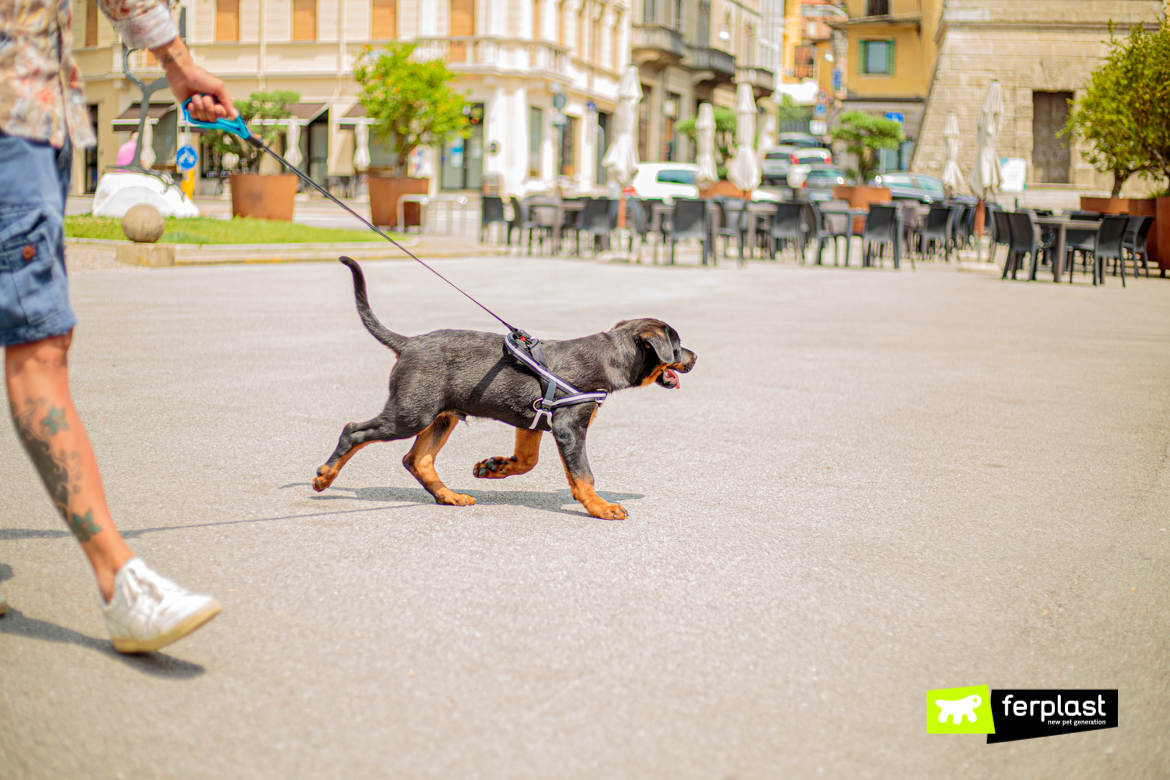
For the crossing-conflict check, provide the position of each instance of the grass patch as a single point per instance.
(205, 230)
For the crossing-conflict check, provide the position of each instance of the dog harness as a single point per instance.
(528, 351)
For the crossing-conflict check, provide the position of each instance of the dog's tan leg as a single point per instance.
(582, 489)
(524, 461)
(420, 461)
(327, 473)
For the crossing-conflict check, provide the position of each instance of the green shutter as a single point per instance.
(862, 50)
(890, 55)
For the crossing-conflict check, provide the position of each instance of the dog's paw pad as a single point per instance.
(610, 512)
(323, 479)
(491, 468)
(451, 498)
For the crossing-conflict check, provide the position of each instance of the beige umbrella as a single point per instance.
(147, 158)
(986, 175)
(744, 170)
(293, 145)
(361, 142)
(621, 161)
(952, 176)
(707, 174)
(768, 136)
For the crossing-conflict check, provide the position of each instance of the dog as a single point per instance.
(443, 377)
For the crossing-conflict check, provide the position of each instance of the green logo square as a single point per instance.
(959, 711)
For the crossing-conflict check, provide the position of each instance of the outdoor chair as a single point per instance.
(881, 230)
(598, 220)
(831, 226)
(964, 226)
(787, 226)
(1081, 240)
(1001, 233)
(689, 220)
(733, 219)
(1109, 245)
(539, 215)
(638, 223)
(1025, 240)
(936, 232)
(491, 212)
(1136, 232)
(910, 219)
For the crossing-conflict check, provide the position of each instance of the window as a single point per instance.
(676, 176)
(569, 147)
(91, 23)
(462, 26)
(536, 8)
(581, 31)
(877, 57)
(561, 23)
(648, 12)
(227, 20)
(304, 20)
(384, 20)
(877, 7)
(535, 139)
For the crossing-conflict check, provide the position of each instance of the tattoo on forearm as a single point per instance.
(166, 58)
(60, 470)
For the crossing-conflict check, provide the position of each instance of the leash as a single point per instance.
(517, 343)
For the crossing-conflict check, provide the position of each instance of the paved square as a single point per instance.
(872, 484)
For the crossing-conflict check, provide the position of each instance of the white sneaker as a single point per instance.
(149, 612)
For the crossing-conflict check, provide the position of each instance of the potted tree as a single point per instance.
(1144, 60)
(410, 104)
(255, 195)
(725, 126)
(863, 135)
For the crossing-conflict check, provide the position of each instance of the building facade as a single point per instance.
(516, 55)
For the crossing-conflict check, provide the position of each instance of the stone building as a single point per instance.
(516, 55)
(1042, 52)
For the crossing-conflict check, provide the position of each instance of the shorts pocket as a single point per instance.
(34, 286)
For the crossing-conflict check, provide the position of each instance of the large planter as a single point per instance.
(263, 197)
(1158, 240)
(725, 189)
(1142, 207)
(384, 194)
(862, 198)
(1109, 206)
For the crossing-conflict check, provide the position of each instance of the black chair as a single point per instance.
(689, 220)
(1137, 230)
(936, 232)
(881, 230)
(598, 220)
(1025, 240)
(1001, 232)
(1080, 240)
(787, 226)
(733, 219)
(1109, 245)
(491, 212)
(964, 225)
(638, 223)
(539, 215)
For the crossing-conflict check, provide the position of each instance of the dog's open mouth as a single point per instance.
(669, 379)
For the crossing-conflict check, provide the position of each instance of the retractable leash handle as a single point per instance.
(235, 126)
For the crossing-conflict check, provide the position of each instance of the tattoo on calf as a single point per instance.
(59, 470)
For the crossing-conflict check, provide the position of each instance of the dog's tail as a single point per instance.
(376, 329)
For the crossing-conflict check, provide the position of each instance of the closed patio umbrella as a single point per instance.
(986, 175)
(768, 136)
(744, 170)
(361, 144)
(293, 147)
(705, 130)
(952, 176)
(147, 158)
(621, 161)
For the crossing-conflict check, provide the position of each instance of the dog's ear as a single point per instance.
(656, 339)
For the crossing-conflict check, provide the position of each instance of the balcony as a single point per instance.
(712, 66)
(495, 55)
(763, 81)
(657, 46)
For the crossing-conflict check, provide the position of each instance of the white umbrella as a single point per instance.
(147, 158)
(768, 136)
(621, 161)
(986, 175)
(230, 160)
(705, 127)
(952, 176)
(361, 143)
(744, 170)
(293, 144)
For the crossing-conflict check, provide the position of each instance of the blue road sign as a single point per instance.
(896, 116)
(186, 158)
(819, 111)
(837, 79)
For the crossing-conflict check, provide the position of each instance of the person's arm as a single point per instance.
(146, 24)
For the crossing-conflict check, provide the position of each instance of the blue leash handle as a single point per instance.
(235, 126)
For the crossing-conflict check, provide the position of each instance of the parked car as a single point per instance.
(777, 160)
(820, 181)
(801, 140)
(904, 185)
(803, 161)
(674, 180)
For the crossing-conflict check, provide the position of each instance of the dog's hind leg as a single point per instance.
(354, 436)
(570, 425)
(522, 462)
(420, 461)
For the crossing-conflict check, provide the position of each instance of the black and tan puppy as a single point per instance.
(444, 376)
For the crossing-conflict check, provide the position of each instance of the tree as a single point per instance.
(790, 113)
(263, 108)
(411, 103)
(864, 134)
(1143, 65)
(725, 125)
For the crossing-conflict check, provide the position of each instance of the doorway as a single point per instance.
(1050, 154)
(463, 157)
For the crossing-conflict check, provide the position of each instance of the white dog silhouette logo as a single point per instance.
(958, 708)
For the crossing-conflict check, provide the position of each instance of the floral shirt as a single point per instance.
(40, 86)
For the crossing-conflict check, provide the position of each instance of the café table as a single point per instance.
(1062, 225)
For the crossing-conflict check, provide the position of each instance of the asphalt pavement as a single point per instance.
(874, 483)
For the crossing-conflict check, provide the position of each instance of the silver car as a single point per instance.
(777, 160)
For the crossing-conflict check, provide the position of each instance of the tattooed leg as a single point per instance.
(58, 446)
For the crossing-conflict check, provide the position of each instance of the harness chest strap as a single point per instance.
(529, 352)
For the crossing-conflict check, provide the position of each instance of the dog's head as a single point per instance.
(662, 354)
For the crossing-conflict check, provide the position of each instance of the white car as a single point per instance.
(674, 180)
(803, 162)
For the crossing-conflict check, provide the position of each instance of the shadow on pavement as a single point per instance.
(549, 502)
(155, 664)
(12, 534)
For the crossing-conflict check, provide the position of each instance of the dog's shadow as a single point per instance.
(543, 500)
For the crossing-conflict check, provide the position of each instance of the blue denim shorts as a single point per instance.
(34, 289)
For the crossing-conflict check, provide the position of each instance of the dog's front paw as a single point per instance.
(449, 497)
(324, 478)
(493, 468)
(608, 511)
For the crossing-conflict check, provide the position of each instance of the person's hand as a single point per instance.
(209, 97)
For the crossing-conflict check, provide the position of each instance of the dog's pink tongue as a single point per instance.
(672, 379)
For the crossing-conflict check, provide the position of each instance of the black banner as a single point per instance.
(1045, 713)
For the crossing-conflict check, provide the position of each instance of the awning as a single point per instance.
(305, 113)
(128, 119)
(350, 118)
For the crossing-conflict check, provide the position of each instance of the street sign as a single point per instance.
(837, 79)
(559, 119)
(819, 111)
(591, 106)
(1015, 174)
(896, 116)
(186, 158)
(822, 97)
(818, 127)
(559, 101)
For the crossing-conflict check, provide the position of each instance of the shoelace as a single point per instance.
(134, 578)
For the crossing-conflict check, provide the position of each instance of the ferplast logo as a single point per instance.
(959, 711)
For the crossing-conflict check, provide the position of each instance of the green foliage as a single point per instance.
(725, 125)
(262, 109)
(1141, 64)
(864, 134)
(790, 113)
(411, 103)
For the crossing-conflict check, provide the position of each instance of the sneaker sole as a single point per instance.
(3, 606)
(128, 645)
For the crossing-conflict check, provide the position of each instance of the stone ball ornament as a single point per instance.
(143, 224)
